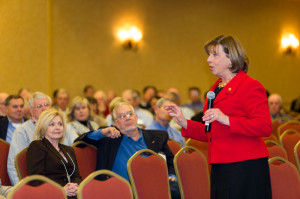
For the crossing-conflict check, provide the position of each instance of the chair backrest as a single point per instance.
(4, 148)
(86, 156)
(201, 146)
(275, 149)
(292, 124)
(297, 155)
(114, 187)
(285, 180)
(192, 173)
(174, 146)
(28, 189)
(272, 137)
(20, 164)
(148, 175)
(288, 140)
(275, 124)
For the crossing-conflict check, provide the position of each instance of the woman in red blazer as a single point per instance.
(238, 119)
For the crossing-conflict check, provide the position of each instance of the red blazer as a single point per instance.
(244, 100)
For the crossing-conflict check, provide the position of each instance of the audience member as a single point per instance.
(111, 94)
(23, 136)
(144, 116)
(114, 149)
(275, 107)
(101, 98)
(48, 157)
(94, 110)
(153, 103)
(80, 116)
(148, 93)
(61, 100)
(14, 105)
(25, 93)
(295, 106)
(162, 119)
(195, 102)
(3, 96)
(88, 91)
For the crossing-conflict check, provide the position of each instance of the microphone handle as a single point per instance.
(209, 106)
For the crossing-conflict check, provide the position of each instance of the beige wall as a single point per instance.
(75, 44)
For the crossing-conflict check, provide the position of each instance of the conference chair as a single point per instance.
(275, 149)
(271, 137)
(28, 188)
(201, 146)
(297, 155)
(20, 164)
(292, 124)
(4, 148)
(276, 123)
(174, 146)
(86, 156)
(148, 175)
(288, 140)
(192, 173)
(114, 187)
(285, 180)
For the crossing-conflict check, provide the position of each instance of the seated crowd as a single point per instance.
(32, 120)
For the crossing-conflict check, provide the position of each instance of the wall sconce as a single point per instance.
(289, 43)
(130, 37)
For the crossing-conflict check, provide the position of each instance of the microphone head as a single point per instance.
(210, 95)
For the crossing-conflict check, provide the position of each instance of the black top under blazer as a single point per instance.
(3, 127)
(156, 140)
(43, 159)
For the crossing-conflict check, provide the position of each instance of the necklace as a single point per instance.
(69, 175)
(221, 84)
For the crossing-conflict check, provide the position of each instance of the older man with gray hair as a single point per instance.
(276, 108)
(23, 135)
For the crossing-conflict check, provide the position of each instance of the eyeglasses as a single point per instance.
(41, 105)
(123, 115)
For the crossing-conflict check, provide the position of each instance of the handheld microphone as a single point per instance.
(210, 99)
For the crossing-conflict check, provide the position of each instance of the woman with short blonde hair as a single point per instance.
(80, 116)
(48, 157)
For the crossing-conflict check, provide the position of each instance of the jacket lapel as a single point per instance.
(229, 89)
(53, 150)
(152, 141)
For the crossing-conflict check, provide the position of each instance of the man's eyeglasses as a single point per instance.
(123, 115)
(41, 105)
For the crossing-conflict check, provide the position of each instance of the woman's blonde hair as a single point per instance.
(43, 122)
(234, 51)
(78, 101)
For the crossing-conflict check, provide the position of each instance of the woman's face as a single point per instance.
(55, 129)
(219, 63)
(81, 113)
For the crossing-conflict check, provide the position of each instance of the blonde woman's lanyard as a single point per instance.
(69, 176)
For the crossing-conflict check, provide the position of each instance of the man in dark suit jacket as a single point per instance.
(15, 112)
(115, 148)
